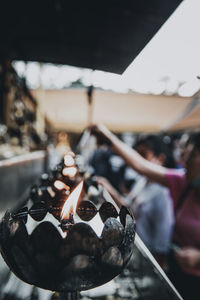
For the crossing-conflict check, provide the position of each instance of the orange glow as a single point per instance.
(71, 202)
(68, 160)
(71, 172)
(59, 185)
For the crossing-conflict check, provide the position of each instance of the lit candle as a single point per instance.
(60, 185)
(69, 208)
(69, 160)
(70, 171)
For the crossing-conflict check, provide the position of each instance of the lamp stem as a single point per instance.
(68, 296)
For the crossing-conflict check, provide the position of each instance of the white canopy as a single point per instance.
(68, 110)
(190, 120)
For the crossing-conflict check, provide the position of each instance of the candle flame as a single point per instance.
(59, 185)
(69, 160)
(71, 172)
(71, 202)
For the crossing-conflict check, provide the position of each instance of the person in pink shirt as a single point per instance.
(184, 186)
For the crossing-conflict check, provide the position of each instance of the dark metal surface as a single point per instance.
(140, 280)
(105, 35)
(80, 261)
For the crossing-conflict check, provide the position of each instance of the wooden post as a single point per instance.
(90, 105)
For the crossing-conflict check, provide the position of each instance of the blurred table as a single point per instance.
(17, 175)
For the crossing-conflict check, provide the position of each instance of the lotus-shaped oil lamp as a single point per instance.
(67, 255)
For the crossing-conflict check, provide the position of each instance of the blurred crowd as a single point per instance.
(158, 178)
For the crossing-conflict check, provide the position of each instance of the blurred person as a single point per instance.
(179, 150)
(106, 163)
(184, 186)
(150, 202)
(58, 145)
(63, 144)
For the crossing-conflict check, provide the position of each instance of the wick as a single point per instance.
(66, 224)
